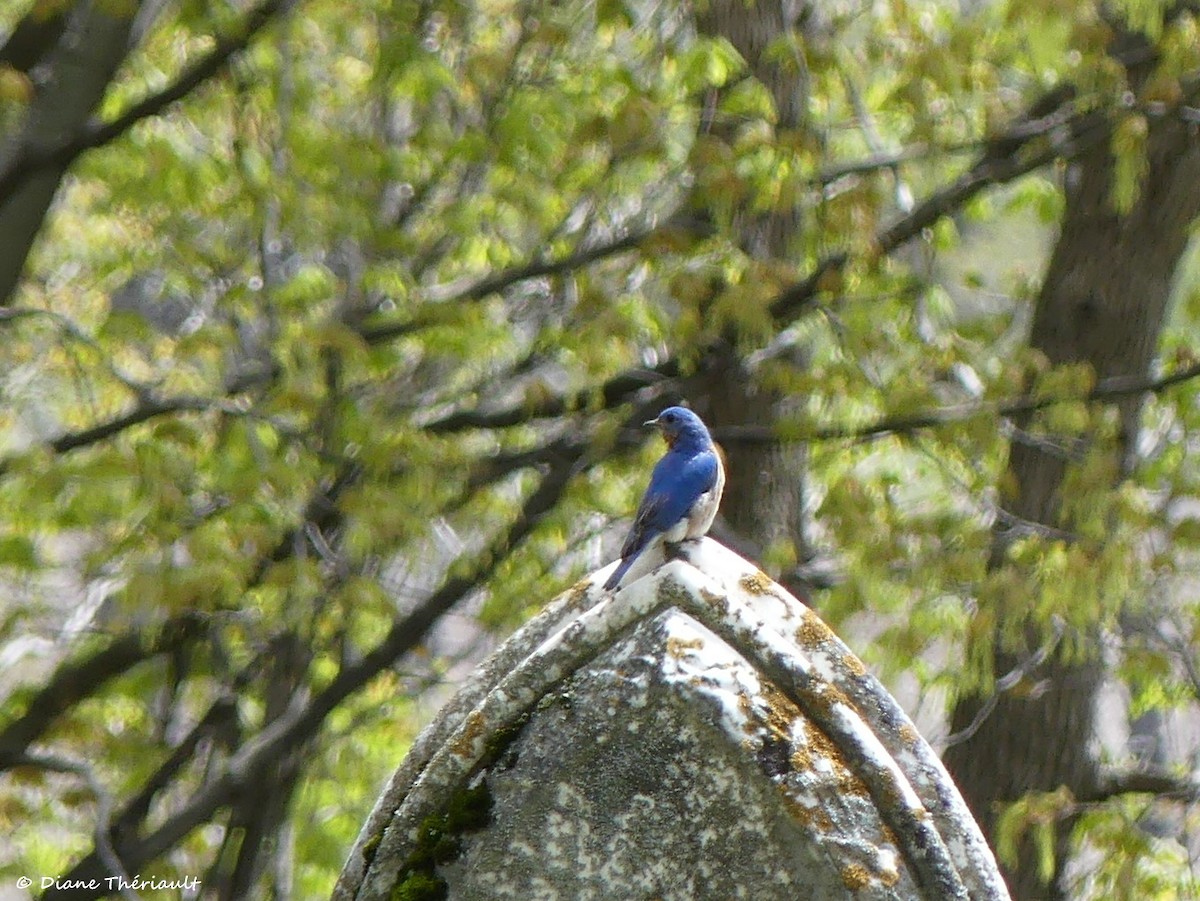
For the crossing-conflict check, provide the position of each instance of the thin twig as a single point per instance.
(1009, 681)
(102, 834)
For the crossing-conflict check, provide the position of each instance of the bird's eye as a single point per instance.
(669, 417)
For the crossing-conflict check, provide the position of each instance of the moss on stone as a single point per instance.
(439, 840)
(419, 885)
(370, 846)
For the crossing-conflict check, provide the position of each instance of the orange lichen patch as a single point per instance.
(802, 813)
(909, 735)
(820, 745)
(474, 728)
(854, 665)
(855, 876)
(837, 696)
(756, 583)
(850, 784)
(889, 877)
(812, 631)
(678, 647)
(813, 817)
(781, 712)
(584, 595)
(828, 695)
(749, 718)
(801, 760)
(798, 811)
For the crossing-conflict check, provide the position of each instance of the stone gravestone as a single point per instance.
(699, 734)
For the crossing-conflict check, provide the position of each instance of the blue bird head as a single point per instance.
(677, 423)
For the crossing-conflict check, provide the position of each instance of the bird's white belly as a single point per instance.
(679, 531)
(697, 523)
(702, 515)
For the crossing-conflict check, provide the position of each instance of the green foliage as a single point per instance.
(1131, 862)
(1129, 155)
(1034, 816)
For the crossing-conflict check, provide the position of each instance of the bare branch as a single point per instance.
(29, 42)
(1144, 782)
(150, 407)
(221, 717)
(617, 390)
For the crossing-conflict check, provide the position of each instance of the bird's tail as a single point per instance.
(619, 573)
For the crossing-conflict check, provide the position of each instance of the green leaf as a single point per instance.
(19, 552)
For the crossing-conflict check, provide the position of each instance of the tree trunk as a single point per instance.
(1102, 303)
(764, 492)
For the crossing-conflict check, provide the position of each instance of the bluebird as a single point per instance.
(684, 492)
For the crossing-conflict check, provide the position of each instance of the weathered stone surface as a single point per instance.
(698, 735)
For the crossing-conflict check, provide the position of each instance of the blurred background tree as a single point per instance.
(328, 325)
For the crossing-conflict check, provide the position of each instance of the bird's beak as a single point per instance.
(649, 422)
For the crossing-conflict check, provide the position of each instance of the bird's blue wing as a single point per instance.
(643, 529)
(675, 485)
(682, 481)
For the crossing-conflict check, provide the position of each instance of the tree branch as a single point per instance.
(1150, 782)
(788, 304)
(499, 281)
(150, 407)
(32, 38)
(220, 717)
(1109, 389)
(989, 171)
(614, 391)
(97, 134)
(1022, 155)
(75, 681)
(1008, 682)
